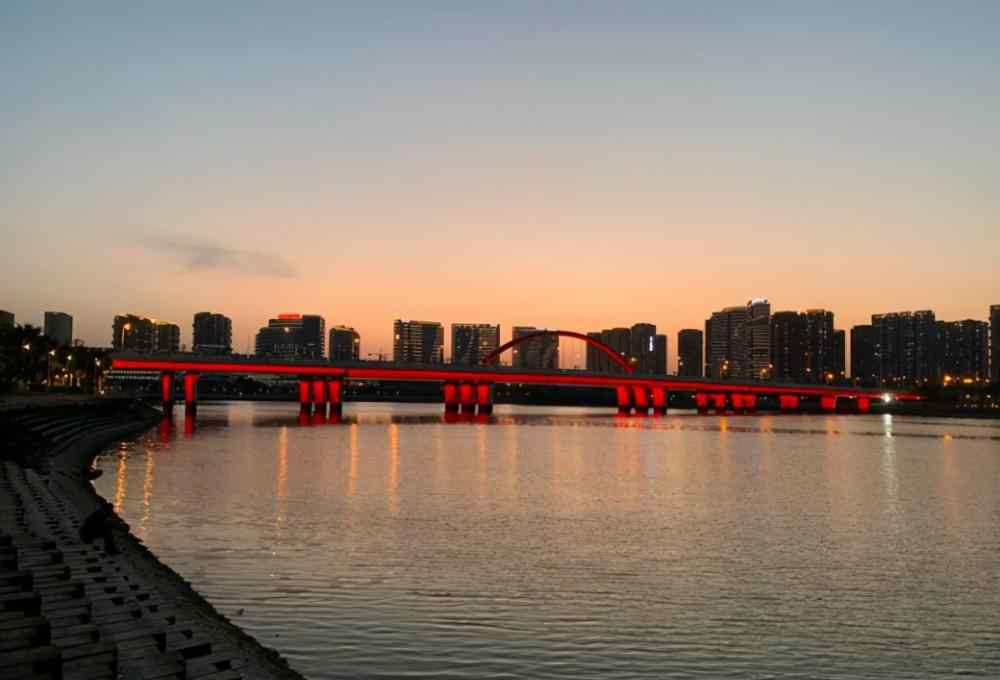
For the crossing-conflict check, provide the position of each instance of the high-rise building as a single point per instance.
(994, 343)
(838, 361)
(620, 341)
(788, 346)
(963, 350)
(345, 344)
(597, 361)
(419, 342)
(755, 338)
(926, 367)
(906, 346)
(472, 342)
(59, 327)
(642, 351)
(292, 336)
(864, 360)
(819, 362)
(133, 333)
(6, 318)
(689, 353)
(725, 348)
(540, 352)
(166, 337)
(212, 334)
(659, 366)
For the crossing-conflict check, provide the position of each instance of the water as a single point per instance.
(569, 543)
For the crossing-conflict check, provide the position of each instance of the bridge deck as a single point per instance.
(376, 370)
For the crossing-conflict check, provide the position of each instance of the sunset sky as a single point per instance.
(574, 165)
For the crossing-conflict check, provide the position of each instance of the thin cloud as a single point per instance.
(194, 256)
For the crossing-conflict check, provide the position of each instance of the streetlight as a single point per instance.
(48, 385)
(97, 376)
(125, 328)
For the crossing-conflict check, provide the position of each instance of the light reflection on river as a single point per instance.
(571, 543)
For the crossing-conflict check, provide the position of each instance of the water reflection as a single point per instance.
(680, 545)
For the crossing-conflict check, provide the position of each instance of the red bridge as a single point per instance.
(469, 389)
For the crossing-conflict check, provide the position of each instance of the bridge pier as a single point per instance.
(305, 397)
(828, 404)
(750, 403)
(788, 402)
(467, 398)
(624, 399)
(864, 404)
(484, 398)
(701, 402)
(167, 390)
(191, 389)
(335, 393)
(640, 398)
(319, 395)
(659, 401)
(719, 402)
(450, 391)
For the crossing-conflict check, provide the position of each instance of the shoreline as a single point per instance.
(56, 494)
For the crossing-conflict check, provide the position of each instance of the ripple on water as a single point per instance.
(557, 544)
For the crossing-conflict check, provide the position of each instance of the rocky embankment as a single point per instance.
(76, 610)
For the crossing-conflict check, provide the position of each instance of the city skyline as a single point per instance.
(603, 162)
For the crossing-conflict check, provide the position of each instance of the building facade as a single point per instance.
(344, 344)
(472, 342)
(166, 337)
(660, 355)
(541, 352)
(839, 361)
(864, 360)
(212, 334)
(419, 342)
(963, 350)
(906, 347)
(59, 327)
(724, 345)
(788, 346)
(755, 339)
(690, 357)
(292, 336)
(819, 363)
(642, 350)
(994, 343)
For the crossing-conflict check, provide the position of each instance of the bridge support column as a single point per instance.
(788, 402)
(450, 391)
(167, 390)
(305, 397)
(484, 398)
(719, 401)
(701, 402)
(738, 402)
(335, 392)
(191, 389)
(640, 397)
(319, 395)
(864, 404)
(624, 400)
(467, 397)
(659, 401)
(828, 404)
(750, 403)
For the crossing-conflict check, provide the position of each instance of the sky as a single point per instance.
(576, 165)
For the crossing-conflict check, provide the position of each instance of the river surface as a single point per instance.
(571, 543)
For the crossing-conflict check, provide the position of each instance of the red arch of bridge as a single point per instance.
(615, 356)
